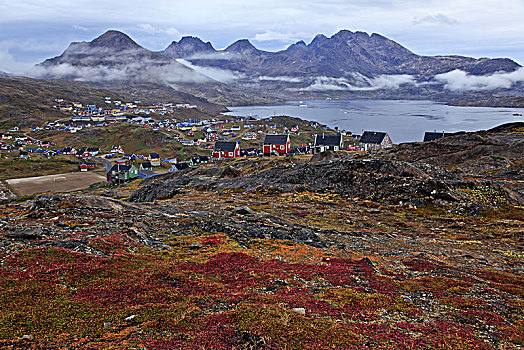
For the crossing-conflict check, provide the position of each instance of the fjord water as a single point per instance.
(405, 121)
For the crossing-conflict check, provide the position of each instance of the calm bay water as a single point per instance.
(405, 121)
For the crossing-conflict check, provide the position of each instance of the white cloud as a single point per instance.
(327, 84)
(213, 56)
(390, 81)
(81, 28)
(285, 79)
(218, 74)
(270, 35)
(8, 63)
(358, 82)
(438, 19)
(137, 72)
(458, 80)
(149, 29)
(101, 64)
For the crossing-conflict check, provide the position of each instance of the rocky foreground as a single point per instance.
(420, 247)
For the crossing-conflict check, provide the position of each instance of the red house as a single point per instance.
(276, 143)
(212, 136)
(224, 149)
(85, 166)
(82, 154)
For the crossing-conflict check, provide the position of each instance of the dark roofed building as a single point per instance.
(68, 150)
(179, 166)
(226, 149)
(129, 156)
(432, 136)
(328, 143)
(276, 143)
(374, 140)
(146, 166)
(93, 151)
(198, 160)
(82, 154)
(154, 158)
(203, 159)
(225, 146)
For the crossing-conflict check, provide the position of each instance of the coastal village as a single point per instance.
(201, 141)
(238, 176)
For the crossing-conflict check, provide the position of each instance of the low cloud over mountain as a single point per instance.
(459, 80)
(347, 61)
(115, 56)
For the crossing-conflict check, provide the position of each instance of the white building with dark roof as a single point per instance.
(328, 143)
(374, 140)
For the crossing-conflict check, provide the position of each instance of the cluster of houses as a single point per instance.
(124, 171)
(21, 143)
(93, 116)
(91, 112)
(281, 145)
(79, 122)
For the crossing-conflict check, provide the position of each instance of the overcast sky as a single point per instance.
(33, 30)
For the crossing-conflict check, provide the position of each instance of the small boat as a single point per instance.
(517, 115)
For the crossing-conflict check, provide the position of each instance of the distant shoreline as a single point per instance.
(404, 120)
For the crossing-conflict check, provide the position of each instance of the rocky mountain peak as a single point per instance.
(188, 46)
(242, 46)
(320, 38)
(300, 45)
(115, 40)
(193, 40)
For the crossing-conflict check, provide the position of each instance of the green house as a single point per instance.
(121, 172)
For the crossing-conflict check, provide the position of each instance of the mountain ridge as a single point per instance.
(345, 51)
(336, 56)
(354, 64)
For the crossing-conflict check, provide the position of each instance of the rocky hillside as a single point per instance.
(492, 153)
(106, 50)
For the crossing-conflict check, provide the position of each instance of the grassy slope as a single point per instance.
(36, 165)
(26, 102)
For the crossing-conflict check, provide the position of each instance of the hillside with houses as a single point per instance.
(130, 140)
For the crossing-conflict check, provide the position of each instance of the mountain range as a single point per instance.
(343, 53)
(347, 63)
